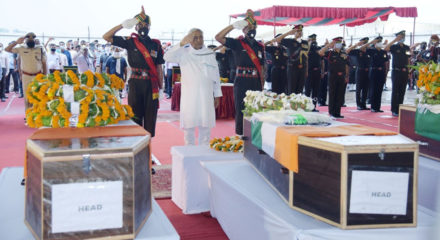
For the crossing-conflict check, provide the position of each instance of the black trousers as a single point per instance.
(323, 88)
(362, 85)
(399, 80)
(352, 75)
(336, 93)
(141, 101)
(378, 78)
(232, 75)
(312, 88)
(3, 83)
(15, 77)
(295, 78)
(279, 79)
(241, 85)
(169, 82)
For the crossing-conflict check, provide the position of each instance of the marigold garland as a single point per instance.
(98, 106)
(227, 144)
(429, 83)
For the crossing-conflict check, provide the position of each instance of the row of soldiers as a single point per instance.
(296, 65)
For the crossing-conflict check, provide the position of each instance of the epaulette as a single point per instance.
(158, 42)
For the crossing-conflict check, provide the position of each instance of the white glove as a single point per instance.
(240, 24)
(130, 23)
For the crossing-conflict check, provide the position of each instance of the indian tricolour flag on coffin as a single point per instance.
(427, 121)
(264, 136)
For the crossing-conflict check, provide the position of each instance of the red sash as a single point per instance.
(252, 55)
(154, 77)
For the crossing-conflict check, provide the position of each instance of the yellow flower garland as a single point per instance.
(227, 144)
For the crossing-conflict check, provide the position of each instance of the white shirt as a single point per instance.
(200, 84)
(84, 63)
(4, 59)
(53, 61)
(64, 61)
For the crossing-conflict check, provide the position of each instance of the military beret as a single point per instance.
(435, 37)
(400, 33)
(142, 17)
(379, 38)
(313, 36)
(250, 17)
(30, 34)
(299, 27)
(337, 39)
(364, 39)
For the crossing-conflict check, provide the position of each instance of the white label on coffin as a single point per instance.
(375, 192)
(68, 94)
(86, 206)
(74, 108)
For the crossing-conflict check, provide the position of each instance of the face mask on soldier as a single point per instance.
(251, 33)
(143, 31)
(30, 43)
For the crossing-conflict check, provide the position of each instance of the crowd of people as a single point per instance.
(291, 63)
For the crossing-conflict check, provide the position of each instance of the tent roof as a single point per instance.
(322, 16)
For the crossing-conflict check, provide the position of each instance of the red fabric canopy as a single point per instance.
(322, 16)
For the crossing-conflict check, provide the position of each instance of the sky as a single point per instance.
(74, 18)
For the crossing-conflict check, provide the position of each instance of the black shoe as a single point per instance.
(360, 108)
(153, 171)
(3, 99)
(343, 105)
(315, 110)
(23, 182)
(323, 105)
(376, 111)
(338, 116)
(395, 114)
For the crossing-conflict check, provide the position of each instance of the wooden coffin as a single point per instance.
(428, 147)
(323, 185)
(88, 188)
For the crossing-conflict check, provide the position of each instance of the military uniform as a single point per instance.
(362, 81)
(337, 62)
(323, 86)
(399, 74)
(379, 59)
(223, 64)
(278, 72)
(140, 96)
(314, 72)
(31, 64)
(296, 64)
(246, 77)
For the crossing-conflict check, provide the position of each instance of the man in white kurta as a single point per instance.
(200, 89)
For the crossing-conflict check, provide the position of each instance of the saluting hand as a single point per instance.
(187, 39)
(20, 40)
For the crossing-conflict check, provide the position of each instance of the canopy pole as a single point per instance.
(414, 31)
(274, 30)
(343, 34)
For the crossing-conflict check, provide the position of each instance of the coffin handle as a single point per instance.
(423, 143)
(86, 163)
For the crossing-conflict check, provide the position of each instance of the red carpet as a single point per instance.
(192, 227)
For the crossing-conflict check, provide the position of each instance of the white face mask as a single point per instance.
(379, 45)
(338, 45)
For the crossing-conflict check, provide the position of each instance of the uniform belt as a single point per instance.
(378, 68)
(139, 73)
(400, 69)
(30, 74)
(246, 72)
(365, 69)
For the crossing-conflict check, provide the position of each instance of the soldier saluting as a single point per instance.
(145, 56)
(249, 59)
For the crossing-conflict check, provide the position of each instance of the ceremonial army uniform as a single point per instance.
(247, 76)
(223, 64)
(140, 97)
(323, 86)
(362, 72)
(296, 64)
(399, 74)
(314, 70)
(337, 62)
(378, 70)
(268, 66)
(278, 72)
